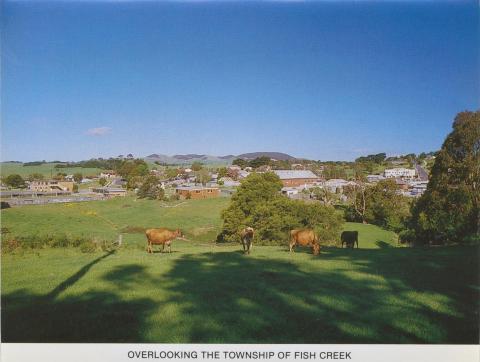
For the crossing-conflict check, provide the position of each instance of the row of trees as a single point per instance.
(263, 161)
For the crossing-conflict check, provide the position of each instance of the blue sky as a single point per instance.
(323, 80)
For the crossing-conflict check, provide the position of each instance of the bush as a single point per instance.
(407, 236)
(35, 242)
(174, 197)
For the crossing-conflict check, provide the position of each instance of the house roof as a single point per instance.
(292, 174)
(194, 188)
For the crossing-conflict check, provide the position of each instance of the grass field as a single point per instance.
(199, 219)
(203, 292)
(47, 170)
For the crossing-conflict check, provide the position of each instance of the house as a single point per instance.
(401, 184)
(228, 181)
(375, 178)
(108, 174)
(117, 182)
(298, 166)
(51, 185)
(243, 174)
(110, 191)
(399, 172)
(290, 191)
(197, 192)
(418, 188)
(339, 184)
(294, 178)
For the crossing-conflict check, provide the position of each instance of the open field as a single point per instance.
(199, 219)
(47, 170)
(203, 292)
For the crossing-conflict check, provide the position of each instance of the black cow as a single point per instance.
(349, 238)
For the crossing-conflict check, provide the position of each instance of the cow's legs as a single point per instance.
(163, 247)
(291, 247)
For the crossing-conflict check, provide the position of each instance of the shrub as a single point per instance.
(35, 242)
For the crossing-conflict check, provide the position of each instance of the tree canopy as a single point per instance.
(449, 209)
(14, 181)
(258, 203)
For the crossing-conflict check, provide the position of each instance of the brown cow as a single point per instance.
(247, 235)
(161, 236)
(304, 237)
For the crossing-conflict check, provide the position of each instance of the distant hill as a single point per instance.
(273, 155)
(208, 159)
(190, 156)
(189, 159)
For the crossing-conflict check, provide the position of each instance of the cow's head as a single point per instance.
(316, 249)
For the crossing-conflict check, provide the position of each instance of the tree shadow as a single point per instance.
(342, 296)
(382, 244)
(77, 276)
(94, 316)
(231, 299)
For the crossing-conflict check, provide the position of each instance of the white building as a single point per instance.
(374, 178)
(337, 183)
(290, 191)
(399, 172)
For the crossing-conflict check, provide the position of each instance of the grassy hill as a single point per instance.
(205, 292)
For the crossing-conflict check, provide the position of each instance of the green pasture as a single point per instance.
(206, 292)
(198, 219)
(47, 170)
(215, 294)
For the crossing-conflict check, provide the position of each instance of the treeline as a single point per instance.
(104, 164)
(263, 161)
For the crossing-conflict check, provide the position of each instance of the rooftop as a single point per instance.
(292, 174)
(193, 188)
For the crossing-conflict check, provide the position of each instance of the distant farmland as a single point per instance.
(47, 169)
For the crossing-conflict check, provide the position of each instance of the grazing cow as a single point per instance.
(161, 236)
(247, 235)
(304, 237)
(349, 238)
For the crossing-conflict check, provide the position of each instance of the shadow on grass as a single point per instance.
(382, 244)
(343, 296)
(95, 316)
(384, 299)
